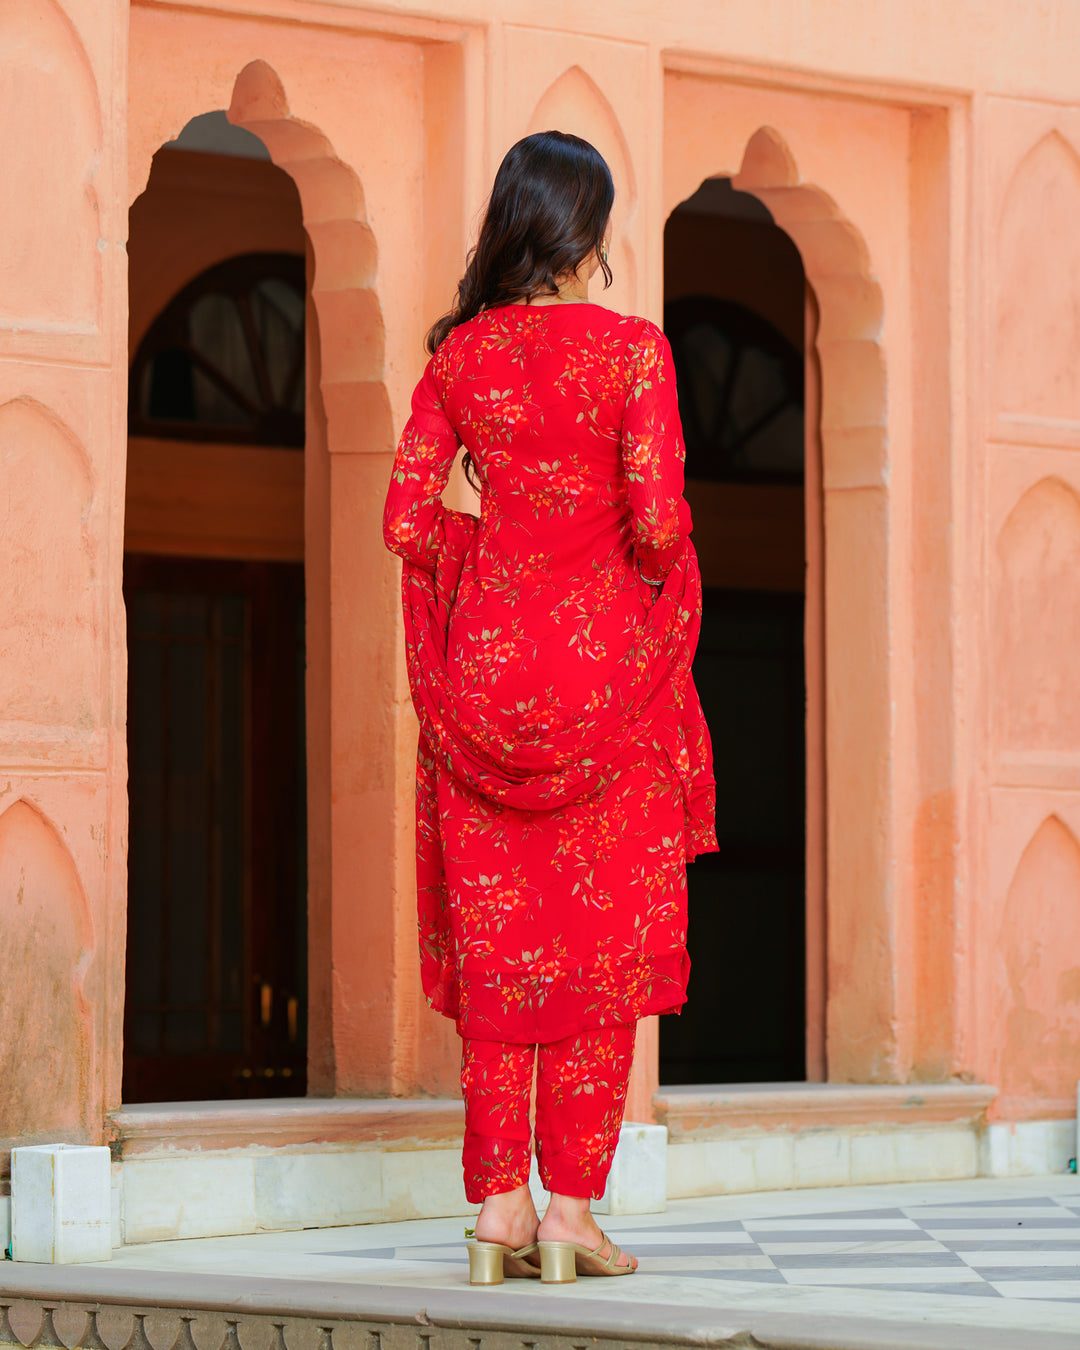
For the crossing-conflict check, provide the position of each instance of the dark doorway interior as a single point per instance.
(216, 1000)
(216, 955)
(745, 1019)
(734, 313)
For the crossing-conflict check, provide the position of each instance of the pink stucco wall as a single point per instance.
(925, 162)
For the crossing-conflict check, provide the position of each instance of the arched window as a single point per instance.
(224, 361)
(740, 392)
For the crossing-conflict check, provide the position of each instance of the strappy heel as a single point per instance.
(492, 1262)
(563, 1262)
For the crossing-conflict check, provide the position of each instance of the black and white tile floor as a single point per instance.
(986, 1258)
(1024, 1247)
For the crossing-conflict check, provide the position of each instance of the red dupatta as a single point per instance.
(543, 772)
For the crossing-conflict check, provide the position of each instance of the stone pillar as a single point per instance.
(63, 393)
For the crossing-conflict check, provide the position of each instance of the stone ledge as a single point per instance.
(703, 1113)
(147, 1308)
(159, 1129)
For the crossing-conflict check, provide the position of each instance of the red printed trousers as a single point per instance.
(580, 1093)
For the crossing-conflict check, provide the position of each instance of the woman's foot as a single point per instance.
(568, 1218)
(509, 1218)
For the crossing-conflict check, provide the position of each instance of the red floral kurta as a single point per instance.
(564, 773)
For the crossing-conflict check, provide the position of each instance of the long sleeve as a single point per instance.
(653, 455)
(414, 516)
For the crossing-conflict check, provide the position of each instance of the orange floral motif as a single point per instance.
(564, 767)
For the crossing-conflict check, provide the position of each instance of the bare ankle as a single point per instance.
(569, 1218)
(509, 1217)
(568, 1206)
(569, 1215)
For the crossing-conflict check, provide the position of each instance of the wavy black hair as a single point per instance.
(548, 210)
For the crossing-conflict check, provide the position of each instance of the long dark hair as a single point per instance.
(548, 210)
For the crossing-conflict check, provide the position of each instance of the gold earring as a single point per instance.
(603, 251)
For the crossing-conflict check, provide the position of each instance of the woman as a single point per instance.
(564, 772)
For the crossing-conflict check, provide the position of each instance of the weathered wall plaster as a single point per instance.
(930, 182)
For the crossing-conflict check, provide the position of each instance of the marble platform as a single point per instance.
(991, 1264)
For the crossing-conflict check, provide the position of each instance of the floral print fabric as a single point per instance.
(564, 771)
(580, 1094)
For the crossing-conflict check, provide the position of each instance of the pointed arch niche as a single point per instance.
(575, 103)
(49, 664)
(1037, 324)
(350, 627)
(851, 977)
(1037, 624)
(46, 1042)
(51, 117)
(1037, 1008)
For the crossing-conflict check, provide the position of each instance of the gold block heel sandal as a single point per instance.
(492, 1262)
(563, 1262)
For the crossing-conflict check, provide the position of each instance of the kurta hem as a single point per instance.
(574, 1006)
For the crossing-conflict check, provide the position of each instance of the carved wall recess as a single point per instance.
(575, 103)
(1038, 1036)
(49, 655)
(1037, 330)
(48, 153)
(45, 1042)
(1037, 626)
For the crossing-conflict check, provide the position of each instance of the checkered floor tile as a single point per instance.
(1011, 1248)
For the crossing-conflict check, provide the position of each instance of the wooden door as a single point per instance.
(217, 915)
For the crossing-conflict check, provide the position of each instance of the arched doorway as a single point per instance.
(735, 313)
(214, 586)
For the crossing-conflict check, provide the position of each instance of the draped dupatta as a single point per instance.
(651, 687)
